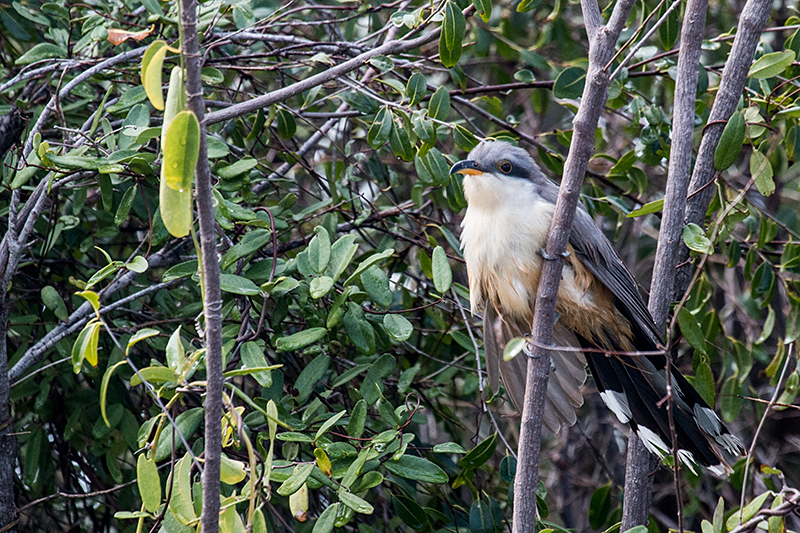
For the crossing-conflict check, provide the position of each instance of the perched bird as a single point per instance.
(504, 231)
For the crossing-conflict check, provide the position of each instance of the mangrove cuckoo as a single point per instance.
(504, 231)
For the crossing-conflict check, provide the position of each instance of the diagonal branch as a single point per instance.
(601, 49)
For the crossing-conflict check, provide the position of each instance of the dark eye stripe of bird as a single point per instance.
(600, 310)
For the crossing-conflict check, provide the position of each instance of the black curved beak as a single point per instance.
(466, 167)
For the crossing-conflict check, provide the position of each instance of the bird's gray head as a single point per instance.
(500, 158)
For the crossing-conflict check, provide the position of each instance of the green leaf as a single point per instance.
(181, 270)
(452, 36)
(238, 285)
(138, 264)
(449, 447)
(691, 330)
(181, 148)
(342, 252)
(41, 52)
(479, 454)
(371, 384)
(695, 239)
(149, 483)
(528, 5)
(104, 389)
(180, 502)
(439, 105)
(85, 346)
(300, 339)
(731, 142)
(442, 275)
(483, 8)
(355, 503)
(432, 168)
(668, 31)
(284, 120)
(366, 263)
(175, 204)
(176, 358)
(53, 301)
(144, 333)
(398, 327)
(154, 374)
(416, 468)
(770, 65)
(319, 250)
(416, 88)
(74, 162)
(250, 244)
(381, 128)
(357, 418)
(125, 205)
(381, 62)
(729, 401)
(769, 324)
(327, 518)
(402, 138)
(704, 383)
(647, 209)
(481, 519)
(600, 507)
(231, 471)
(312, 373)
(150, 73)
(376, 283)
(761, 170)
(296, 480)
(320, 286)
(359, 330)
(328, 424)
(569, 83)
(187, 423)
(464, 138)
(238, 168)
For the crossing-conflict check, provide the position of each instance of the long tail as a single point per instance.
(634, 387)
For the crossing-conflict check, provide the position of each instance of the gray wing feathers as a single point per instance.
(567, 375)
(597, 254)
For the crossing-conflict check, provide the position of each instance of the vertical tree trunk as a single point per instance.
(8, 447)
(211, 275)
(638, 482)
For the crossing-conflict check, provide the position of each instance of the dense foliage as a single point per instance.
(354, 397)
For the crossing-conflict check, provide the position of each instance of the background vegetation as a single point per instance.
(353, 393)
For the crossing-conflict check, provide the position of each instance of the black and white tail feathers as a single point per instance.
(635, 389)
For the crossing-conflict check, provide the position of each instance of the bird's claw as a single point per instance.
(544, 255)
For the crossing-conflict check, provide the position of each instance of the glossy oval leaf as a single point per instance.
(300, 339)
(770, 65)
(149, 483)
(416, 88)
(416, 468)
(150, 72)
(398, 327)
(439, 106)
(442, 274)
(731, 142)
(569, 83)
(381, 127)
(181, 149)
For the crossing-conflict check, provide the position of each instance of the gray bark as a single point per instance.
(602, 40)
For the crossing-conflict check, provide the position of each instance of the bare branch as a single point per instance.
(595, 94)
(751, 24)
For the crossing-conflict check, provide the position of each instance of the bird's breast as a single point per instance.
(505, 225)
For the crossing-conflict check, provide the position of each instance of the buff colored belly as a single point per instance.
(500, 247)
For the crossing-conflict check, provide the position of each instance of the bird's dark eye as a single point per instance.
(504, 166)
